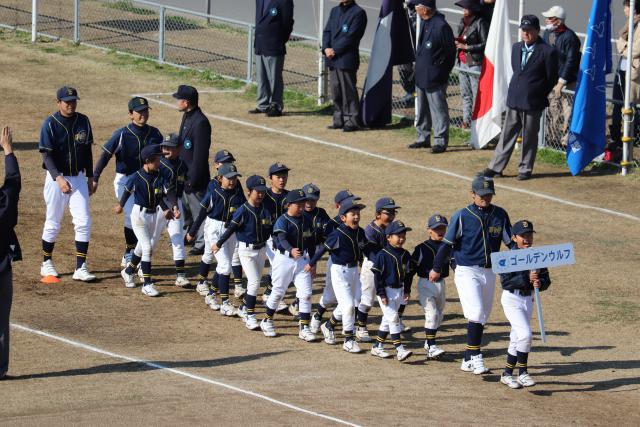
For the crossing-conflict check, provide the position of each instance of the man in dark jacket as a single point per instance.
(567, 45)
(435, 56)
(9, 247)
(341, 46)
(535, 73)
(274, 24)
(195, 137)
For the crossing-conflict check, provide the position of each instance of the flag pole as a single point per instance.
(322, 65)
(628, 111)
(415, 100)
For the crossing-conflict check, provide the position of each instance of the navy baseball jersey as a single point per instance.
(319, 219)
(219, 203)
(67, 140)
(147, 189)
(424, 256)
(375, 235)
(293, 232)
(174, 174)
(251, 224)
(393, 268)
(275, 203)
(346, 246)
(126, 144)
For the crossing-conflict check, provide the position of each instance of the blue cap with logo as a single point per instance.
(256, 182)
(483, 186)
(529, 22)
(296, 196)
(171, 140)
(343, 195)
(437, 220)
(67, 93)
(138, 103)
(350, 204)
(396, 227)
(224, 156)
(386, 203)
(312, 191)
(277, 168)
(228, 170)
(149, 151)
(521, 227)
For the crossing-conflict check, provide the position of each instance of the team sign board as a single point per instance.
(533, 258)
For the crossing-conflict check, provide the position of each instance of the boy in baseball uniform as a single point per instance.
(517, 302)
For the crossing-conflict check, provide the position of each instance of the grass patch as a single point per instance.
(227, 27)
(618, 310)
(127, 6)
(551, 157)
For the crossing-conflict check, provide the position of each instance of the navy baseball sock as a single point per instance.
(270, 313)
(130, 239)
(269, 285)
(81, 253)
(146, 271)
(395, 338)
(179, 266)
(522, 359)
(215, 282)
(381, 338)
(203, 271)
(47, 249)
(511, 363)
(474, 339)
(348, 336)
(431, 336)
(250, 303)
(321, 311)
(223, 286)
(304, 318)
(237, 272)
(361, 318)
(133, 264)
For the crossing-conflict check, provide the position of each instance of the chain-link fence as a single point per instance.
(225, 47)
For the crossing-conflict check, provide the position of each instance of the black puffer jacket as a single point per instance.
(475, 39)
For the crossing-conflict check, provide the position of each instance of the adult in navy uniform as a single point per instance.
(341, 46)
(535, 73)
(9, 247)
(195, 137)
(435, 56)
(274, 24)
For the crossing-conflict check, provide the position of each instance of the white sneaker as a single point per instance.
(124, 262)
(182, 281)
(314, 325)
(47, 269)
(362, 334)
(282, 306)
(267, 328)
(329, 335)
(140, 273)
(351, 346)
(509, 381)
(402, 353)
(203, 288)
(150, 290)
(306, 334)
(212, 301)
(242, 313)
(380, 352)
(404, 328)
(525, 380)
(83, 274)
(293, 309)
(467, 365)
(227, 309)
(434, 352)
(252, 323)
(478, 365)
(239, 291)
(129, 281)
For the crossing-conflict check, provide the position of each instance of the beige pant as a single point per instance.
(559, 115)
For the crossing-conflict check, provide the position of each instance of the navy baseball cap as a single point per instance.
(189, 93)
(386, 203)
(149, 151)
(350, 204)
(67, 93)
(431, 4)
(278, 168)
(171, 140)
(483, 186)
(312, 191)
(521, 227)
(224, 156)
(256, 182)
(296, 196)
(396, 227)
(138, 103)
(228, 170)
(343, 195)
(436, 221)
(529, 22)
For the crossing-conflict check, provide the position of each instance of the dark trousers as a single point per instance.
(346, 104)
(6, 298)
(191, 203)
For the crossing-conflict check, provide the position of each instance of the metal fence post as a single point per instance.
(76, 21)
(161, 27)
(34, 20)
(249, 78)
(322, 65)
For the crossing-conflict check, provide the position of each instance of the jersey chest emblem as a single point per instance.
(188, 145)
(80, 137)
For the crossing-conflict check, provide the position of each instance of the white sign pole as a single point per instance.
(543, 335)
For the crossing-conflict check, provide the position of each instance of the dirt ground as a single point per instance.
(588, 373)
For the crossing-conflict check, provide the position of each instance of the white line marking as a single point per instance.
(200, 91)
(178, 372)
(414, 165)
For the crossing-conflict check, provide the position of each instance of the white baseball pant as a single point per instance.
(328, 296)
(518, 309)
(345, 282)
(476, 287)
(286, 270)
(118, 185)
(390, 318)
(143, 223)
(78, 203)
(213, 229)
(432, 299)
(367, 292)
(175, 229)
(235, 259)
(252, 261)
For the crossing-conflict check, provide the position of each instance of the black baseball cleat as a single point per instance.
(490, 173)
(335, 127)
(438, 149)
(419, 145)
(274, 112)
(524, 176)
(351, 128)
(257, 111)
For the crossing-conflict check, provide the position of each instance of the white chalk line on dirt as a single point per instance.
(405, 163)
(179, 372)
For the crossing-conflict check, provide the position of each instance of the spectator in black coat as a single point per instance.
(195, 138)
(274, 24)
(341, 46)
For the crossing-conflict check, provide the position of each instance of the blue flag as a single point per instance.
(587, 135)
(392, 45)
